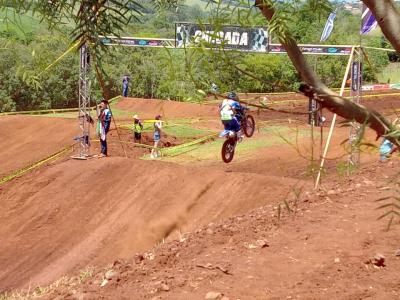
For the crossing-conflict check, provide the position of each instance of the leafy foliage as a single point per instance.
(27, 47)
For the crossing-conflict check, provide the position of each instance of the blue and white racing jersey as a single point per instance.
(227, 109)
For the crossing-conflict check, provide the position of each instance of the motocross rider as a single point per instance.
(230, 111)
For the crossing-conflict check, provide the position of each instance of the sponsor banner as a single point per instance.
(137, 42)
(395, 86)
(313, 49)
(231, 37)
(377, 87)
(367, 88)
(356, 76)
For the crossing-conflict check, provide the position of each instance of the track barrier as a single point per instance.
(174, 150)
(51, 111)
(183, 148)
(288, 101)
(270, 102)
(24, 170)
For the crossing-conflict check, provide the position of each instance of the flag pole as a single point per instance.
(324, 36)
(328, 140)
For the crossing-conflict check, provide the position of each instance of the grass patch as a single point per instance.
(180, 128)
(41, 291)
(67, 115)
(391, 74)
(268, 137)
(184, 131)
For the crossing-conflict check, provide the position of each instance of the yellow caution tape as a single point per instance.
(170, 151)
(279, 102)
(51, 111)
(180, 149)
(152, 121)
(24, 170)
(73, 47)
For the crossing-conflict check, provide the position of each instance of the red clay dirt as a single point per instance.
(149, 108)
(76, 213)
(70, 214)
(27, 139)
(323, 249)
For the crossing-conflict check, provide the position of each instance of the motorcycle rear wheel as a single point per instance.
(249, 126)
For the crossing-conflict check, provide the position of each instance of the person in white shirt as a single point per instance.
(157, 136)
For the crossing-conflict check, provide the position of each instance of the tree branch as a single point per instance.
(330, 100)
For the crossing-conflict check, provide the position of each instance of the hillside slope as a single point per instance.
(26, 139)
(66, 216)
(323, 251)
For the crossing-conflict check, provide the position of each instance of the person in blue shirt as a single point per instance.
(104, 123)
(125, 85)
(386, 149)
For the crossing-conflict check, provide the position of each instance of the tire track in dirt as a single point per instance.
(61, 218)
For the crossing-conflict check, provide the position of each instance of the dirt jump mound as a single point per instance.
(148, 108)
(27, 139)
(61, 218)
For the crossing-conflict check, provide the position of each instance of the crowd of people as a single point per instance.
(230, 113)
(104, 115)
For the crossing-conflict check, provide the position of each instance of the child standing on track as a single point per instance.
(137, 129)
(157, 136)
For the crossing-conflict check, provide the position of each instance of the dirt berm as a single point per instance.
(26, 139)
(61, 218)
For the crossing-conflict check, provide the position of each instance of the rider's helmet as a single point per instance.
(232, 96)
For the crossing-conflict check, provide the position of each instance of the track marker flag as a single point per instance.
(328, 26)
(368, 20)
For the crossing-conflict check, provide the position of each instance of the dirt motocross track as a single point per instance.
(70, 214)
(28, 139)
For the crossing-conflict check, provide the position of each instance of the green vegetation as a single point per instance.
(28, 46)
(184, 131)
(268, 136)
(391, 74)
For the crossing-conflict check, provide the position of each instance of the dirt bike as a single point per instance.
(247, 125)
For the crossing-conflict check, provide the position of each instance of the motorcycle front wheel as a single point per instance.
(228, 150)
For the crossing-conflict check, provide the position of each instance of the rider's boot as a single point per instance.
(240, 135)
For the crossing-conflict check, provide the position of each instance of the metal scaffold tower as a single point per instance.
(356, 96)
(84, 104)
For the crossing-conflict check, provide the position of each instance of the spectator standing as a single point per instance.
(137, 129)
(125, 85)
(157, 136)
(104, 121)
